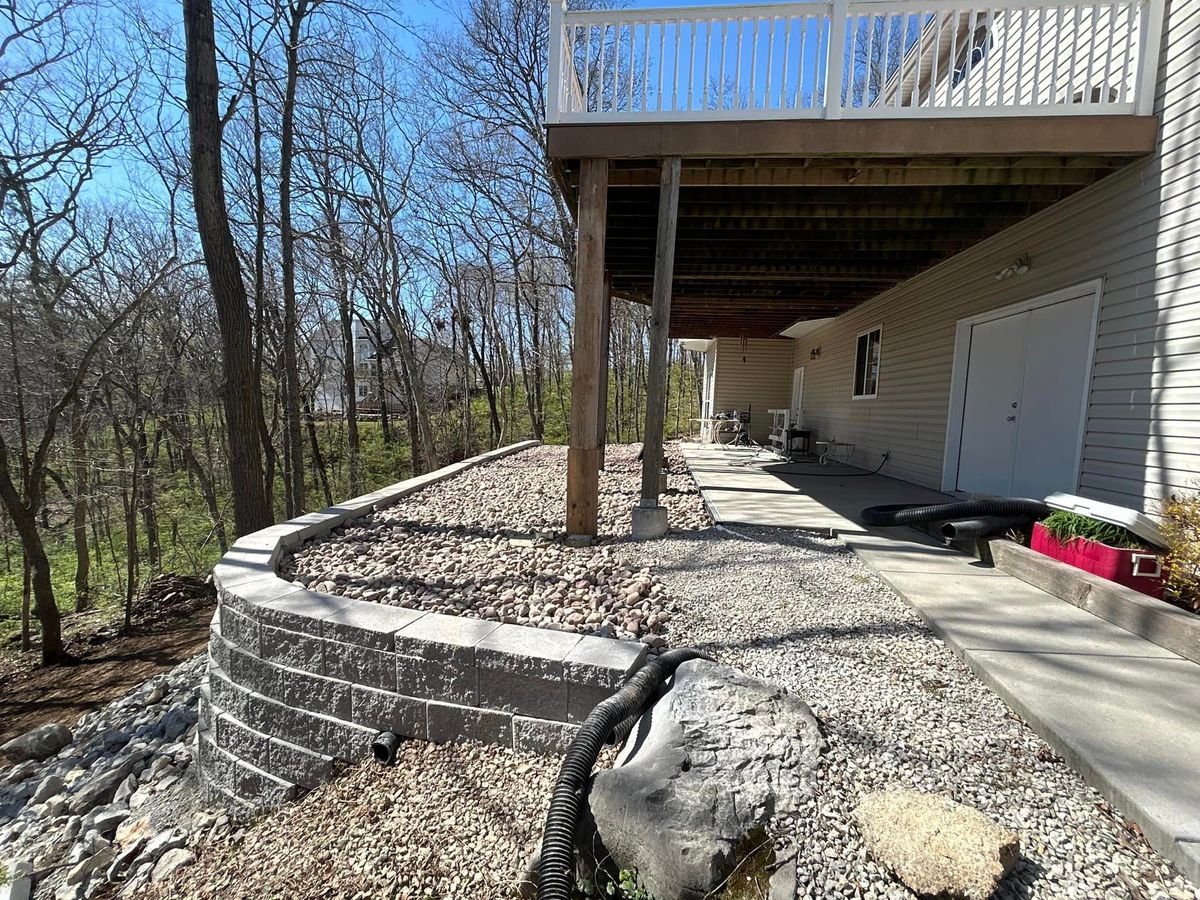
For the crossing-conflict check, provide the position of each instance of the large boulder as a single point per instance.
(937, 847)
(39, 744)
(702, 774)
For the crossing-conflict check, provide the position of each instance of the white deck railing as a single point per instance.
(842, 59)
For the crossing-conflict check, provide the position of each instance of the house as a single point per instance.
(442, 370)
(966, 238)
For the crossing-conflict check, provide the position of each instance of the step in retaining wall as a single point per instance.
(300, 682)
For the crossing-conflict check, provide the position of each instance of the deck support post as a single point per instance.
(605, 350)
(583, 454)
(649, 518)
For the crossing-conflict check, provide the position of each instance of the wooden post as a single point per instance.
(583, 455)
(605, 350)
(660, 319)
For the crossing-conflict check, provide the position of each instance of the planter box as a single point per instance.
(1168, 626)
(1137, 569)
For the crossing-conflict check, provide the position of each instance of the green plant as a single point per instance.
(1181, 528)
(624, 887)
(1065, 527)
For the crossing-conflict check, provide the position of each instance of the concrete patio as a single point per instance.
(743, 486)
(1121, 710)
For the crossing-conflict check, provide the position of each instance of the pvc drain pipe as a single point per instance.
(385, 747)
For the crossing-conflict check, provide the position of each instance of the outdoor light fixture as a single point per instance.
(814, 353)
(1020, 267)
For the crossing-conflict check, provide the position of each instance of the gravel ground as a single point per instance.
(447, 821)
(488, 544)
(899, 709)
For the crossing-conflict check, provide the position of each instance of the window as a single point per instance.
(866, 364)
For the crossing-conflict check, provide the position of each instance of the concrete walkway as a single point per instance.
(741, 488)
(1123, 712)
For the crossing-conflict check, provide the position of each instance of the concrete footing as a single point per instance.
(649, 522)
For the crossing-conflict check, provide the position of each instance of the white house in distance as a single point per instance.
(981, 255)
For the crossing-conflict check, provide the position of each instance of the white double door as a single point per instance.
(1024, 403)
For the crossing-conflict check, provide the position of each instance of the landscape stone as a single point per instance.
(171, 862)
(36, 745)
(704, 772)
(935, 846)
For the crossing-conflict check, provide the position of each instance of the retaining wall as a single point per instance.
(299, 681)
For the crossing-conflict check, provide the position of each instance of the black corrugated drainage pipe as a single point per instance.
(984, 526)
(385, 747)
(917, 514)
(556, 872)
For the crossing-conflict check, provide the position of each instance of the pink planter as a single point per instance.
(1137, 569)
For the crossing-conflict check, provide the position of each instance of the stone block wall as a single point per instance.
(299, 681)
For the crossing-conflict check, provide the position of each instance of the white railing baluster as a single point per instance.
(1030, 57)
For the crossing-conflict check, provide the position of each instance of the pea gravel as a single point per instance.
(899, 709)
(447, 821)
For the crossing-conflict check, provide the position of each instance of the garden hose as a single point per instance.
(556, 870)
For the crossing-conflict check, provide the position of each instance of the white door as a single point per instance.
(1023, 410)
(798, 397)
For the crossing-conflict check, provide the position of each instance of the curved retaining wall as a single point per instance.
(299, 680)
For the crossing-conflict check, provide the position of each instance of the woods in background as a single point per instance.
(262, 256)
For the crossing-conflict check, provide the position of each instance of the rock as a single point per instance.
(96, 791)
(131, 831)
(703, 773)
(47, 788)
(161, 844)
(20, 882)
(38, 744)
(83, 870)
(106, 819)
(171, 862)
(936, 846)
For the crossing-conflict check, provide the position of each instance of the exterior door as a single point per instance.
(1023, 411)
(989, 431)
(798, 397)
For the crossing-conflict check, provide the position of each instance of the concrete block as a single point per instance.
(240, 740)
(297, 726)
(529, 695)
(253, 674)
(345, 740)
(260, 787)
(603, 662)
(303, 767)
(455, 680)
(239, 566)
(536, 652)
(449, 723)
(360, 665)
(292, 649)
(540, 736)
(204, 709)
(316, 693)
(300, 610)
(649, 522)
(227, 696)
(239, 630)
(273, 540)
(388, 711)
(219, 650)
(368, 624)
(435, 636)
(583, 698)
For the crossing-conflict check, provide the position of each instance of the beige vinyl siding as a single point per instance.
(1139, 231)
(755, 375)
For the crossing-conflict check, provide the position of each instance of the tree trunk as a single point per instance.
(238, 390)
(293, 443)
(83, 559)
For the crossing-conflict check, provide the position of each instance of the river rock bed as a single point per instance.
(899, 710)
(489, 544)
(118, 807)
